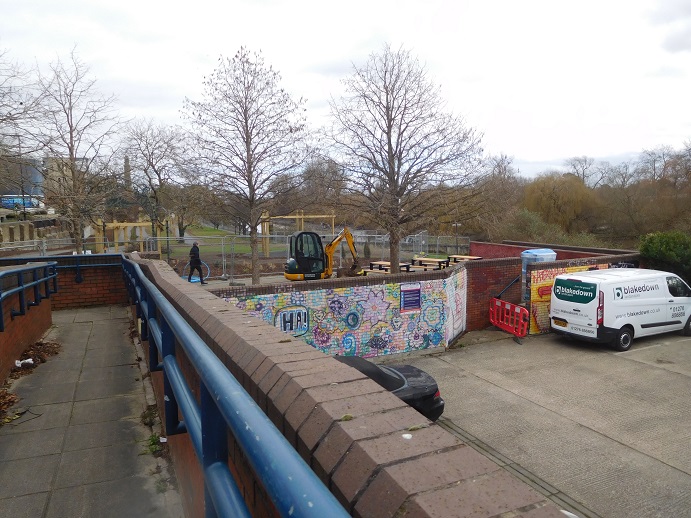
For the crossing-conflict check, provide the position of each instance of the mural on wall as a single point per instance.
(456, 295)
(541, 292)
(367, 320)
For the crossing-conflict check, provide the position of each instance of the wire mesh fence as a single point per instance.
(229, 256)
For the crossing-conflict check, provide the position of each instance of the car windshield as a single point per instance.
(387, 379)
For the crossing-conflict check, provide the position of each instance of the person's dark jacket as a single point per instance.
(194, 256)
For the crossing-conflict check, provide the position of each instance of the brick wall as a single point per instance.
(99, 286)
(486, 279)
(336, 318)
(515, 248)
(189, 477)
(84, 280)
(21, 331)
(366, 461)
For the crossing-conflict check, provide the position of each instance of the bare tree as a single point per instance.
(158, 158)
(622, 175)
(655, 164)
(318, 189)
(189, 203)
(249, 131)
(592, 173)
(77, 131)
(581, 166)
(394, 139)
(499, 192)
(20, 101)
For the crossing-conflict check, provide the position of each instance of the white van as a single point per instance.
(618, 304)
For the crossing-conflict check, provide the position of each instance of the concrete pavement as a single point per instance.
(80, 447)
(606, 433)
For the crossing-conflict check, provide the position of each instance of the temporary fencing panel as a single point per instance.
(509, 317)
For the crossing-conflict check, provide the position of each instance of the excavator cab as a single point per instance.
(307, 259)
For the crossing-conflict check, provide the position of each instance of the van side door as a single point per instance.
(679, 306)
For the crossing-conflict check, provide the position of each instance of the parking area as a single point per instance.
(608, 432)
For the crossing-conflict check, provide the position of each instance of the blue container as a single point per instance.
(538, 255)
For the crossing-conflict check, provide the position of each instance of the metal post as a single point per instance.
(168, 241)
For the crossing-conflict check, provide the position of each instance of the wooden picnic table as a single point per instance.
(386, 266)
(423, 267)
(457, 258)
(441, 263)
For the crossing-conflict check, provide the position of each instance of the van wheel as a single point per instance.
(624, 339)
(687, 327)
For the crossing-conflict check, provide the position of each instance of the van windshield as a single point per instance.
(572, 290)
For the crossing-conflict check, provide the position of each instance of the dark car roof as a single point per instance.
(384, 379)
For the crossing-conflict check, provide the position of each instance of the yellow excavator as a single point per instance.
(309, 259)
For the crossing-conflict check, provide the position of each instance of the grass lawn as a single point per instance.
(211, 245)
(199, 231)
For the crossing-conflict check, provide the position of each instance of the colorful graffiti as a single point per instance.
(368, 320)
(457, 295)
(541, 292)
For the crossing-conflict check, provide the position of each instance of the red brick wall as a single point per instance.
(495, 250)
(100, 286)
(486, 279)
(187, 466)
(514, 249)
(190, 479)
(306, 393)
(21, 331)
(97, 281)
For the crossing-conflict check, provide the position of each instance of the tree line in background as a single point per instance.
(392, 158)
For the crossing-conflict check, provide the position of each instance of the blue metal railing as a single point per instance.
(27, 278)
(224, 405)
(79, 262)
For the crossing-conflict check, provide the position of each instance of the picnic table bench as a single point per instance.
(433, 261)
(423, 267)
(458, 258)
(386, 266)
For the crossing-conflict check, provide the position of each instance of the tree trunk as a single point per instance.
(254, 246)
(394, 250)
(78, 235)
(181, 231)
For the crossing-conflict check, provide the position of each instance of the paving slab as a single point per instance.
(107, 409)
(605, 433)
(29, 506)
(78, 447)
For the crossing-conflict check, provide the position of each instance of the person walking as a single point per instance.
(195, 263)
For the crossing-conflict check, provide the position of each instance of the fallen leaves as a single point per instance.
(39, 352)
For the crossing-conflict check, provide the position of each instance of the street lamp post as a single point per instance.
(21, 176)
(167, 241)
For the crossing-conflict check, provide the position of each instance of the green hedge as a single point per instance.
(669, 251)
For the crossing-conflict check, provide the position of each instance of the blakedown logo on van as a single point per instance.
(633, 291)
(574, 291)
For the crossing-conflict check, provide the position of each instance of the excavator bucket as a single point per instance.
(354, 271)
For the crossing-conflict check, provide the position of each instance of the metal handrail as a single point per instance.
(43, 273)
(292, 486)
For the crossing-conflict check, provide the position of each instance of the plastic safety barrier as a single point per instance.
(509, 317)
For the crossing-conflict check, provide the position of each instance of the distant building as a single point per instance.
(27, 179)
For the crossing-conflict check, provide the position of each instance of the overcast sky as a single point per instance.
(543, 80)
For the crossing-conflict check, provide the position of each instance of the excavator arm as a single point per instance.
(330, 250)
(309, 259)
